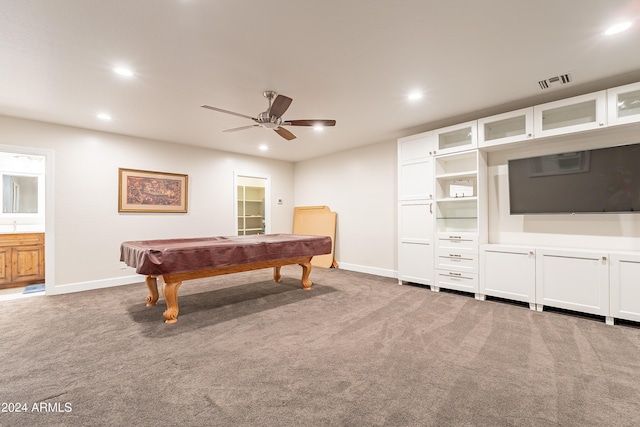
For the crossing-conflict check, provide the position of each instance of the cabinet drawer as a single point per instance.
(465, 282)
(457, 243)
(457, 261)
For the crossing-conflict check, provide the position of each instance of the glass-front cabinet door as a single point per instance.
(505, 128)
(624, 104)
(460, 137)
(580, 113)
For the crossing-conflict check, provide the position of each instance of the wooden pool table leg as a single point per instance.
(152, 284)
(170, 293)
(306, 271)
(276, 274)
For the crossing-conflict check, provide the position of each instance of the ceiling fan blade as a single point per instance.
(227, 111)
(309, 122)
(240, 128)
(280, 105)
(285, 134)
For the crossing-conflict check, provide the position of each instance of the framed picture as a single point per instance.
(148, 191)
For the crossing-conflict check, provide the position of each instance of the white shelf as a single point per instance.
(457, 199)
(250, 209)
(463, 174)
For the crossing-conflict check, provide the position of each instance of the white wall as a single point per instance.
(360, 186)
(88, 227)
(596, 231)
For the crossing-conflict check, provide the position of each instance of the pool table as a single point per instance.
(177, 260)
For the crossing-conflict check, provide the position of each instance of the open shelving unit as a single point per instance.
(250, 210)
(457, 192)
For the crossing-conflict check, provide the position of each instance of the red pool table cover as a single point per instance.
(171, 256)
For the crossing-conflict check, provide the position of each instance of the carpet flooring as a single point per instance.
(356, 350)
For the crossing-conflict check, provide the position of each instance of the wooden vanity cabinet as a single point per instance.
(21, 259)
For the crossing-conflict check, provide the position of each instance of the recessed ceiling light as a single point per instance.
(318, 128)
(263, 147)
(618, 28)
(122, 71)
(413, 96)
(104, 116)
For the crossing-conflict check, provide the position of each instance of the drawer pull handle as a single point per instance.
(455, 255)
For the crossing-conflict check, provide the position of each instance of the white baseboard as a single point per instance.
(94, 284)
(369, 270)
(137, 278)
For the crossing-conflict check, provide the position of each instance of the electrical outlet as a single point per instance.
(123, 265)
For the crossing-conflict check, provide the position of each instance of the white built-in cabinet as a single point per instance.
(415, 209)
(573, 279)
(576, 114)
(509, 272)
(625, 286)
(459, 179)
(460, 219)
(456, 138)
(442, 213)
(624, 104)
(506, 128)
(415, 246)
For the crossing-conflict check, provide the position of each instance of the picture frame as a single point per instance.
(150, 191)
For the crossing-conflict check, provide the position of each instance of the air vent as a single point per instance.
(551, 82)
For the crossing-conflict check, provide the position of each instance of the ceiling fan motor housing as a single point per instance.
(268, 121)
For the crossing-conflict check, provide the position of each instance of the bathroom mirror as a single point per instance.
(19, 194)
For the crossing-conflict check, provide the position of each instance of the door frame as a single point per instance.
(49, 212)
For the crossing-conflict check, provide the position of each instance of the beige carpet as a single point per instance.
(356, 350)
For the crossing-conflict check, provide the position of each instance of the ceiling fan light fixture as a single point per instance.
(318, 128)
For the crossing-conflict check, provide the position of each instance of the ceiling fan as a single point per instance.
(272, 118)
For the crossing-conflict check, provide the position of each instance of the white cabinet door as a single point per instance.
(415, 209)
(505, 128)
(573, 280)
(415, 179)
(415, 167)
(623, 104)
(580, 113)
(415, 147)
(625, 286)
(508, 272)
(460, 137)
(415, 246)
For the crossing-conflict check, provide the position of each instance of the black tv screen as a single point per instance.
(605, 180)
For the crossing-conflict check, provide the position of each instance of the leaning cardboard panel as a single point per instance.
(317, 221)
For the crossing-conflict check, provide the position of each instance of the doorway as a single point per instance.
(252, 203)
(26, 189)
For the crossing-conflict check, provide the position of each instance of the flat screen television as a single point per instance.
(605, 180)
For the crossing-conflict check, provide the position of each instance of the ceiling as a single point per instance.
(353, 61)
